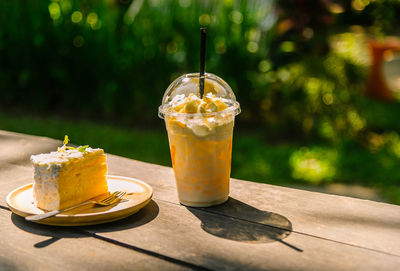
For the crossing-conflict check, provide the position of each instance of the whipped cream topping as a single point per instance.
(202, 117)
(193, 104)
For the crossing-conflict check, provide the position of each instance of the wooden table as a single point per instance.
(261, 227)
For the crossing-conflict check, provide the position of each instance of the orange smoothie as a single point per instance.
(202, 165)
(200, 138)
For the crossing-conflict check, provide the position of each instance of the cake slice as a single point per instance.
(68, 176)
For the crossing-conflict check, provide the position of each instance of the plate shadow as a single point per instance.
(145, 215)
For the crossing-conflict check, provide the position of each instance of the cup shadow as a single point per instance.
(238, 221)
(144, 216)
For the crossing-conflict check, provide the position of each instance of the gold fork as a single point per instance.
(110, 199)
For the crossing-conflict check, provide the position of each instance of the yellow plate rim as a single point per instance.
(87, 218)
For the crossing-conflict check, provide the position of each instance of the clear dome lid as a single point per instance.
(189, 84)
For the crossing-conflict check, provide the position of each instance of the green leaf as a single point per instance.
(83, 148)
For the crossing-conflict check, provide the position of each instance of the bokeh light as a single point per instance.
(76, 17)
(313, 165)
(54, 10)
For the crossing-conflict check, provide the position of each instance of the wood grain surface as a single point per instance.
(261, 227)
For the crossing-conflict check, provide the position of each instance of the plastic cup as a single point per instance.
(200, 143)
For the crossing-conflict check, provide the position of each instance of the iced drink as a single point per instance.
(200, 138)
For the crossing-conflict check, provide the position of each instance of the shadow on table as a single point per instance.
(238, 221)
(54, 232)
(8, 264)
(145, 215)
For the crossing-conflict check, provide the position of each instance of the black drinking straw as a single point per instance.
(203, 32)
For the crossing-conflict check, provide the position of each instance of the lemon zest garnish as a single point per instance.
(65, 147)
(66, 140)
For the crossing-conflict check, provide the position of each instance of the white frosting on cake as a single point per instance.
(45, 187)
(46, 169)
(61, 157)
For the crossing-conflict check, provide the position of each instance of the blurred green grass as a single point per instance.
(147, 146)
(255, 158)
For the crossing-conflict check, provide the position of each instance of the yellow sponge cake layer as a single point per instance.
(68, 177)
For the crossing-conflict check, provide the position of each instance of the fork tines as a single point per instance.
(113, 197)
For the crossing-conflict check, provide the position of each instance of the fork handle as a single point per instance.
(42, 216)
(55, 212)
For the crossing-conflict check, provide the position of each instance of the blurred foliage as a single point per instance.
(298, 68)
(114, 59)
